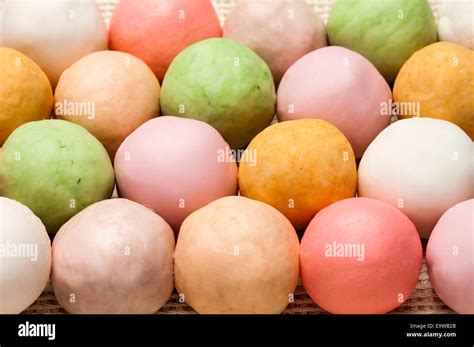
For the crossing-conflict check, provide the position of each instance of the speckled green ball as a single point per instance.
(386, 32)
(56, 168)
(224, 84)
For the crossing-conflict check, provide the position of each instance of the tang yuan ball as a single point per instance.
(439, 81)
(423, 166)
(1, 26)
(455, 22)
(299, 167)
(110, 94)
(385, 32)
(360, 256)
(25, 257)
(449, 256)
(354, 101)
(116, 256)
(25, 92)
(156, 31)
(175, 166)
(56, 168)
(223, 83)
(270, 29)
(54, 33)
(237, 256)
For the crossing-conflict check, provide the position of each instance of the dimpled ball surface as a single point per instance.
(25, 92)
(156, 31)
(279, 31)
(116, 256)
(175, 166)
(237, 256)
(119, 91)
(449, 257)
(421, 165)
(353, 101)
(299, 167)
(440, 79)
(223, 83)
(25, 251)
(56, 168)
(385, 32)
(54, 33)
(455, 22)
(360, 256)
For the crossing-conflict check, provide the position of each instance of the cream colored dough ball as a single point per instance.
(237, 256)
(423, 166)
(25, 257)
(1, 26)
(110, 94)
(456, 22)
(54, 33)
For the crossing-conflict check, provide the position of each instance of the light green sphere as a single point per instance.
(224, 84)
(386, 32)
(56, 168)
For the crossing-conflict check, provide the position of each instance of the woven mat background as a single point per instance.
(422, 300)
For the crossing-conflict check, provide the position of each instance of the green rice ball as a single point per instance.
(386, 32)
(224, 84)
(56, 168)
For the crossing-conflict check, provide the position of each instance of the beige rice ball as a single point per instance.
(237, 256)
(110, 94)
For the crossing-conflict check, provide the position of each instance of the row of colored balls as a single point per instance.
(226, 84)
(234, 254)
(297, 190)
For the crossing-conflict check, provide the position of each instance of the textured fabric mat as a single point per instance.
(422, 300)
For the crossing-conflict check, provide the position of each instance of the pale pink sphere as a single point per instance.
(175, 166)
(450, 257)
(339, 86)
(114, 257)
(269, 28)
(360, 256)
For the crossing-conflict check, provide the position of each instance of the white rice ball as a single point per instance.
(456, 22)
(422, 166)
(1, 26)
(54, 33)
(25, 257)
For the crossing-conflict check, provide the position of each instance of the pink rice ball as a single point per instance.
(175, 166)
(341, 87)
(114, 257)
(450, 257)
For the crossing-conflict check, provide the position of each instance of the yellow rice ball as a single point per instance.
(439, 79)
(299, 167)
(25, 92)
